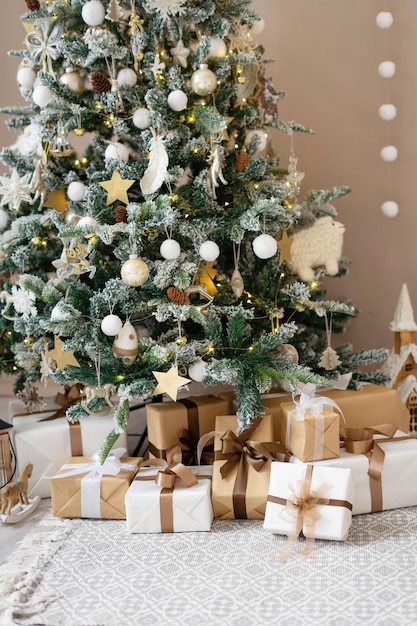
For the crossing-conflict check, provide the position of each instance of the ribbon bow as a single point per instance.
(71, 396)
(173, 468)
(300, 509)
(111, 466)
(190, 449)
(44, 47)
(316, 404)
(240, 450)
(310, 402)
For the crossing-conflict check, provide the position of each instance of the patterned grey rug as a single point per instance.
(93, 573)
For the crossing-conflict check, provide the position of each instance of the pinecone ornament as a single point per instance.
(100, 82)
(177, 296)
(120, 214)
(33, 5)
(242, 162)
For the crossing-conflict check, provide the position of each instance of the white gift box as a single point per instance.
(398, 476)
(327, 483)
(47, 445)
(192, 509)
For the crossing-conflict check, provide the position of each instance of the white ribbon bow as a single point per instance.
(316, 404)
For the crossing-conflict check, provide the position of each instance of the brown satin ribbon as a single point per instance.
(67, 399)
(192, 417)
(241, 452)
(173, 469)
(76, 441)
(361, 441)
(189, 445)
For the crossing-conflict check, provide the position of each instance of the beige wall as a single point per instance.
(326, 55)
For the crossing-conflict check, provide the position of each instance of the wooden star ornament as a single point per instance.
(56, 200)
(117, 188)
(206, 276)
(284, 246)
(169, 382)
(60, 356)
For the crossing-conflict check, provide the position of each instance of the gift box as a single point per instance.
(183, 422)
(85, 488)
(310, 427)
(370, 406)
(241, 468)
(383, 461)
(170, 498)
(48, 443)
(313, 500)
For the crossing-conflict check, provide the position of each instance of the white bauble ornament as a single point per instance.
(93, 13)
(386, 69)
(177, 100)
(4, 218)
(209, 251)
(203, 81)
(384, 19)
(26, 77)
(197, 371)
(111, 325)
(217, 48)
(87, 220)
(125, 344)
(73, 81)
(390, 208)
(118, 151)
(127, 77)
(134, 271)
(257, 27)
(76, 191)
(170, 249)
(264, 246)
(387, 112)
(389, 153)
(142, 118)
(41, 95)
(262, 139)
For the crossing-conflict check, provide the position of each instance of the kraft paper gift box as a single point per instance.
(384, 475)
(369, 406)
(159, 501)
(47, 444)
(85, 488)
(314, 500)
(310, 427)
(184, 422)
(240, 485)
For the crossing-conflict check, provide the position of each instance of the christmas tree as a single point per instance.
(150, 235)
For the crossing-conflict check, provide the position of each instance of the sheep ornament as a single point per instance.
(316, 246)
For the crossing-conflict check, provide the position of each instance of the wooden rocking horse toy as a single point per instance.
(14, 501)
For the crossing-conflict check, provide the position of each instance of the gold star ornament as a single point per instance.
(117, 188)
(60, 356)
(169, 382)
(56, 200)
(284, 246)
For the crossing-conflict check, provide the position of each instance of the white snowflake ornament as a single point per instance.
(15, 189)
